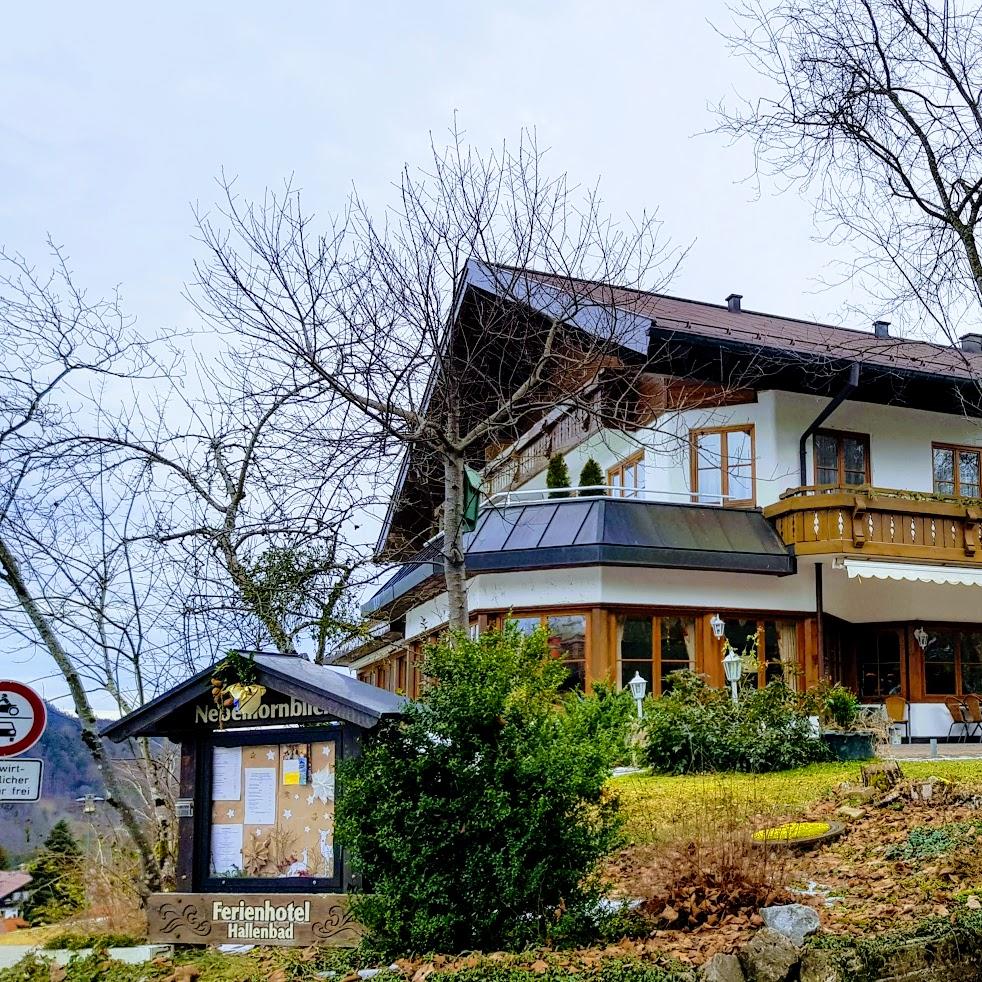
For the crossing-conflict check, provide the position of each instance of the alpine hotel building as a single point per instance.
(817, 487)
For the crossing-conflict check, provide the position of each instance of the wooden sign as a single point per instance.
(265, 919)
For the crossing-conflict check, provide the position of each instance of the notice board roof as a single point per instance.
(328, 690)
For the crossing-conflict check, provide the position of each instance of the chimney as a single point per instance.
(733, 302)
(881, 329)
(972, 343)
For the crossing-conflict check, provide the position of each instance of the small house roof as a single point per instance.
(13, 881)
(345, 698)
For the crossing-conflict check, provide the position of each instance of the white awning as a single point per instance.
(913, 572)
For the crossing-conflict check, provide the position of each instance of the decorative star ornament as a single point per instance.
(287, 814)
(231, 813)
(271, 755)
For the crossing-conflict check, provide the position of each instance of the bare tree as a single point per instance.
(258, 536)
(55, 347)
(363, 315)
(876, 107)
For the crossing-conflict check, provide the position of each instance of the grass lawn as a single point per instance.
(660, 809)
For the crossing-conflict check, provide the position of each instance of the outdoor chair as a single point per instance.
(959, 716)
(897, 713)
(973, 709)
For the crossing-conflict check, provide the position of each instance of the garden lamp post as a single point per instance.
(732, 662)
(637, 685)
(733, 667)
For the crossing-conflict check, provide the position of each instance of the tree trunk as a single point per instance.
(453, 543)
(90, 730)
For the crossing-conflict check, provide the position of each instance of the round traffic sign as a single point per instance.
(23, 717)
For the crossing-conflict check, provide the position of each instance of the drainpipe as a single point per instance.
(847, 390)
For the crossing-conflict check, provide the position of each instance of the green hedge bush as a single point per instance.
(478, 819)
(695, 727)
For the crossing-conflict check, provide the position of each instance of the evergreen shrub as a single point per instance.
(695, 727)
(478, 819)
(592, 477)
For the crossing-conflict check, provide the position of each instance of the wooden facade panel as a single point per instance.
(888, 526)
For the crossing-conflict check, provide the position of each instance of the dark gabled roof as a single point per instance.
(602, 532)
(346, 698)
(715, 322)
(710, 343)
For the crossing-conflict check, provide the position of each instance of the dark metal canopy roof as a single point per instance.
(343, 697)
(603, 532)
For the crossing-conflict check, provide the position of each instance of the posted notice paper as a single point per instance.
(226, 773)
(226, 849)
(260, 795)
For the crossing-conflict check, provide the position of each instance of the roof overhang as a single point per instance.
(599, 532)
(334, 693)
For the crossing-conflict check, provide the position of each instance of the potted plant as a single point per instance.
(839, 715)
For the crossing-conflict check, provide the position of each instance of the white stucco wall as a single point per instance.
(900, 443)
(618, 585)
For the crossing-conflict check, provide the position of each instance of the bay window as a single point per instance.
(654, 647)
(776, 649)
(566, 635)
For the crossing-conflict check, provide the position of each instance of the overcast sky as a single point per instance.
(115, 118)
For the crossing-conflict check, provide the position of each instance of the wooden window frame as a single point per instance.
(956, 475)
(634, 460)
(841, 458)
(543, 616)
(918, 662)
(694, 435)
(655, 659)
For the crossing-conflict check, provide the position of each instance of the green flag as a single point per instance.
(472, 498)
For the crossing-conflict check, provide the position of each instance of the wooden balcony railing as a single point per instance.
(879, 522)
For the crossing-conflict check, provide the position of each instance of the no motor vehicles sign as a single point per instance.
(22, 718)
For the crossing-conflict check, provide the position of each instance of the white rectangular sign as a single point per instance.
(20, 778)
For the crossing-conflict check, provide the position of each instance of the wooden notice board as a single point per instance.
(271, 919)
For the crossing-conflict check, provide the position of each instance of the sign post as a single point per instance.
(23, 717)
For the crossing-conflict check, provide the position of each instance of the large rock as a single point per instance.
(769, 957)
(819, 966)
(794, 921)
(722, 968)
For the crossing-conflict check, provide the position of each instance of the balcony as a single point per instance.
(879, 522)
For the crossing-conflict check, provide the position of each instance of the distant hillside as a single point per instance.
(69, 773)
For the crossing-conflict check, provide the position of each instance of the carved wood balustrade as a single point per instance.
(881, 522)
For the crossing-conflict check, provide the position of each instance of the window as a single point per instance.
(400, 675)
(879, 665)
(956, 471)
(777, 649)
(841, 459)
(656, 647)
(566, 634)
(627, 477)
(723, 465)
(952, 662)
